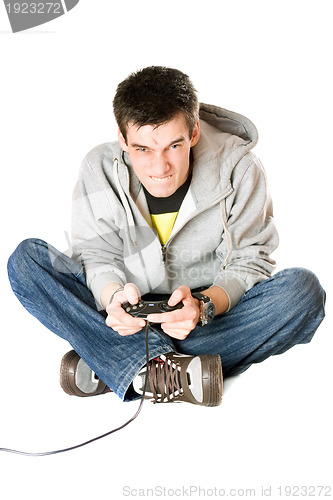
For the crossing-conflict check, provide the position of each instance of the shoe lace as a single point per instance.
(164, 379)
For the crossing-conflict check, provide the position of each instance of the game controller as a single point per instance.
(143, 308)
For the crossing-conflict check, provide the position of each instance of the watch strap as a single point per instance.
(204, 300)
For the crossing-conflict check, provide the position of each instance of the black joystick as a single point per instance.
(143, 308)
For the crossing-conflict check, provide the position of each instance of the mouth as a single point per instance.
(161, 179)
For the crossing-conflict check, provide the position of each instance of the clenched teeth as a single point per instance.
(160, 179)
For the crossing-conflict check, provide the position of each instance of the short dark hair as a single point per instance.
(153, 96)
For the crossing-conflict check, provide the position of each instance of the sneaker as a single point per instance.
(178, 377)
(77, 379)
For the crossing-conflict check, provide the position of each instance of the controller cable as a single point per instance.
(55, 452)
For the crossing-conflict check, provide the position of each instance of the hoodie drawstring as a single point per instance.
(226, 232)
(125, 203)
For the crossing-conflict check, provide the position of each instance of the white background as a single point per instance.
(269, 61)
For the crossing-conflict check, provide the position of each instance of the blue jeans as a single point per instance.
(271, 317)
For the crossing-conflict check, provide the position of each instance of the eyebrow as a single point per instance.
(176, 141)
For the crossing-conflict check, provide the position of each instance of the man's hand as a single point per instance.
(117, 318)
(179, 323)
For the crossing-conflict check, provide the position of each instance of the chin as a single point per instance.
(160, 191)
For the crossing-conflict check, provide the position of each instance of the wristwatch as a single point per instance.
(207, 308)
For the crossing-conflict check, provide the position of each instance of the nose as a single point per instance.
(160, 165)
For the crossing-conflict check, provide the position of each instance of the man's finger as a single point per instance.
(132, 293)
(181, 293)
(171, 316)
(117, 316)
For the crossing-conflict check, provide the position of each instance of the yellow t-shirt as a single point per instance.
(163, 223)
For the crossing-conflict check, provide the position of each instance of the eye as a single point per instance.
(175, 146)
(143, 150)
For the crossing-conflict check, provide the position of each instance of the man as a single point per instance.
(177, 209)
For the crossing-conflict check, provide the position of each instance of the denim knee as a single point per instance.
(18, 262)
(304, 285)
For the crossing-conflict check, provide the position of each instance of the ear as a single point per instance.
(195, 134)
(122, 141)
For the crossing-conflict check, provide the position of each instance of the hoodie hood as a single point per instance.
(225, 138)
(229, 122)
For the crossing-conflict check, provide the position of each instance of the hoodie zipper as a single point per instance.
(163, 253)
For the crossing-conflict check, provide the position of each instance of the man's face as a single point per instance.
(160, 156)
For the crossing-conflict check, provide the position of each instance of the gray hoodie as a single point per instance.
(224, 232)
